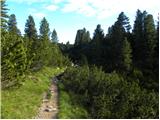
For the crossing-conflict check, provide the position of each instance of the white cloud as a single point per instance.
(29, 1)
(105, 8)
(100, 9)
(58, 1)
(39, 15)
(36, 13)
(51, 7)
(81, 7)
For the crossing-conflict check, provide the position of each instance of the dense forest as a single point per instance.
(113, 75)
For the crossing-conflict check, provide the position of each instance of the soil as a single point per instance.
(49, 107)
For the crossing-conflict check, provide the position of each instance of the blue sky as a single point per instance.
(67, 16)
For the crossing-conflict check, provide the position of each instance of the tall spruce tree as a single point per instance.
(139, 43)
(97, 41)
(123, 20)
(98, 35)
(30, 29)
(12, 24)
(82, 37)
(4, 15)
(86, 38)
(116, 36)
(45, 46)
(126, 55)
(44, 29)
(156, 53)
(150, 38)
(31, 42)
(54, 36)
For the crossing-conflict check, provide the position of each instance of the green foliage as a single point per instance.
(12, 25)
(150, 37)
(54, 36)
(68, 108)
(14, 60)
(118, 45)
(82, 37)
(44, 29)
(30, 29)
(124, 21)
(139, 44)
(13, 51)
(85, 92)
(31, 42)
(4, 15)
(109, 95)
(126, 55)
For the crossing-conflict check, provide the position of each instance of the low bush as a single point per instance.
(109, 95)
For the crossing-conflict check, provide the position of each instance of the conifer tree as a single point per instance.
(124, 21)
(14, 60)
(97, 41)
(12, 25)
(126, 55)
(98, 35)
(82, 37)
(31, 42)
(139, 44)
(86, 37)
(150, 38)
(45, 46)
(156, 53)
(44, 29)
(30, 29)
(4, 15)
(54, 36)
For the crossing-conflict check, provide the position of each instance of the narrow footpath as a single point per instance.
(49, 107)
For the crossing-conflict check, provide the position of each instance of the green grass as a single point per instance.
(68, 108)
(25, 101)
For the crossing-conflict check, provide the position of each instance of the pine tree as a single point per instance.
(30, 29)
(82, 37)
(139, 43)
(98, 35)
(45, 45)
(126, 55)
(12, 24)
(86, 37)
(44, 29)
(4, 15)
(115, 44)
(97, 41)
(31, 42)
(156, 53)
(150, 38)
(14, 60)
(123, 20)
(54, 36)
(78, 37)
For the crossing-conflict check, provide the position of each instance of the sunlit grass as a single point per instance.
(25, 101)
(68, 108)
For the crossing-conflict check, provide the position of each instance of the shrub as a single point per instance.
(109, 95)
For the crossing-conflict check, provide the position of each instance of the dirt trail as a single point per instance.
(49, 107)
